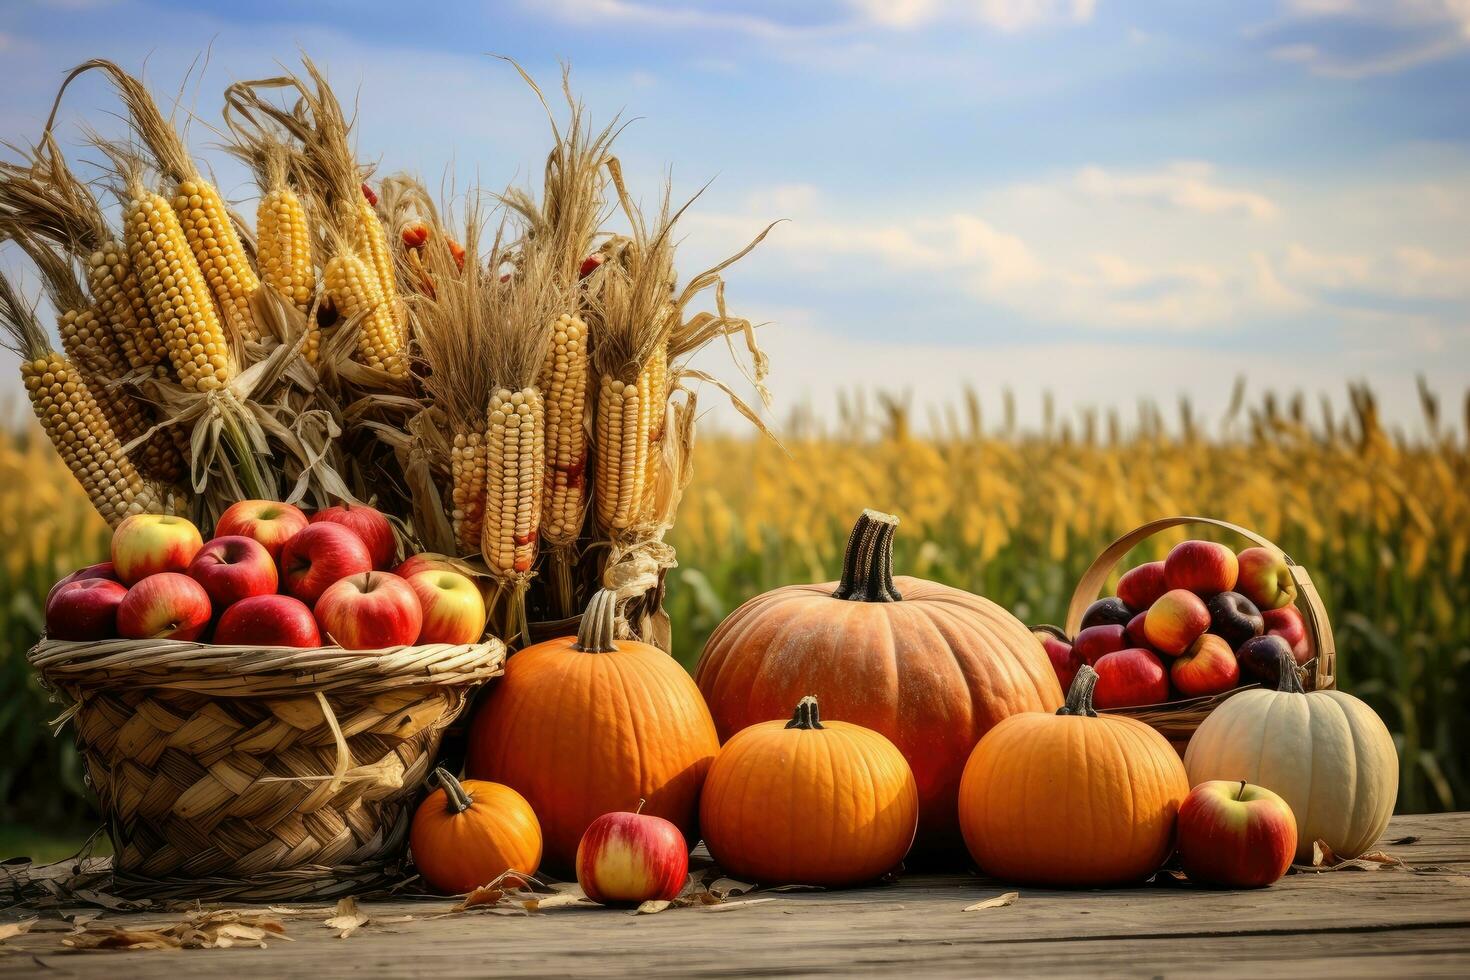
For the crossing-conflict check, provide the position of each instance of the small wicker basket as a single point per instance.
(1177, 720)
(267, 773)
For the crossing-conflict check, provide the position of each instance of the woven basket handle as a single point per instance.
(1089, 587)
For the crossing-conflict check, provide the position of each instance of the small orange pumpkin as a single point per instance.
(807, 802)
(467, 834)
(1073, 798)
(583, 726)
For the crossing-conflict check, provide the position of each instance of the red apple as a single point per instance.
(84, 609)
(1140, 587)
(270, 522)
(370, 611)
(1234, 618)
(1202, 567)
(268, 621)
(1130, 677)
(146, 544)
(1063, 656)
(1175, 621)
(1207, 667)
(632, 858)
(1264, 578)
(1235, 835)
(166, 606)
(370, 525)
(233, 568)
(1287, 623)
(424, 562)
(454, 610)
(319, 555)
(1261, 658)
(1109, 609)
(1134, 632)
(100, 570)
(1095, 641)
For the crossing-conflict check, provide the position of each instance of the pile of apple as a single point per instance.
(271, 576)
(1201, 622)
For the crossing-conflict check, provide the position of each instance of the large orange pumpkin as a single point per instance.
(582, 726)
(807, 802)
(468, 834)
(930, 667)
(1074, 798)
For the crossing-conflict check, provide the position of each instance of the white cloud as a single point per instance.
(1007, 16)
(1408, 33)
(1187, 185)
(1403, 272)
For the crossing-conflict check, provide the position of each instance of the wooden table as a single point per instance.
(1385, 922)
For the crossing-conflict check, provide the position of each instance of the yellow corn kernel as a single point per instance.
(373, 248)
(121, 302)
(653, 395)
(284, 246)
(622, 454)
(563, 384)
(467, 489)
(514, 474)
(353, 290)
(218, 251)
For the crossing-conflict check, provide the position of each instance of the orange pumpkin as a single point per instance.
(809, 803)
(583, 726)
(930, 667)
(1073, 798)
(467, 834)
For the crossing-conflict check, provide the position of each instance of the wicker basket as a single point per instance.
(1177, 720)
(246, 772)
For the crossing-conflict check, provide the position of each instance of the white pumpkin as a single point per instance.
(1326, 753)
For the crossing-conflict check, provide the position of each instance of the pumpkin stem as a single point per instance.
(598, 628)
(806, 717)
(1079, 695)
(457, 797)
(867, 565)
(1288, 682)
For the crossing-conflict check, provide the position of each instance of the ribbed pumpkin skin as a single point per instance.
(456, 852)
(933, 673)
(1325, 753)
(582, 734)
(831, 807)
(1071, 801)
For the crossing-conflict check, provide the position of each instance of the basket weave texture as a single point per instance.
(1177, 720)
(243, 763)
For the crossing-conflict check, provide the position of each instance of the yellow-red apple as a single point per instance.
(1207, 667)
(268, 621)
(369, 524)
(1202, 567)
(1175, 621)
(319, 555)
(166, 606)
(1140, 587)
(370, 611)
(146, 544)
(1234, 834)
(233, 568)
(270, 522)
(1264, 579)
(632, 858)
(84, 609)
(1130, 677)
(454, 610)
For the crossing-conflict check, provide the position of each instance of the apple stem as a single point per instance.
(1079, 695)
(640, 806)
(1240, 792)
(867, 564)
(457, 798)
(806, 717)
(599, 624)
(1288, 682)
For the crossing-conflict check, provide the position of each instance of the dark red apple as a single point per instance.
(1105, 611)
(234, 568)
(100, 570)
(1130, 677)
(1202, 567)
(1175, 621)
(1234, 618)
(84, 609)
(1095, 641)
(1134, 631)
(1208, 667)
(319, 555)
(1261, 658)
(369, 524)
(268, 621)
(1287, 623)
(164, 606)
(1140, 586)
(1063, 656)
(1235, 835)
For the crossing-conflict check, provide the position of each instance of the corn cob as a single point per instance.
(219, 253)
(285, 246)
(622, 447)
(653, 383)
(352, 287)
(373, 247)
(121, 303)
(178, 295)
(514, 461)
(467, 489)
(563, 384)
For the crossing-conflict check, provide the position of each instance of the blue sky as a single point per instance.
(1110, 200)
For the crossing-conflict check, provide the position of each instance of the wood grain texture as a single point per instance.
(1342, 924)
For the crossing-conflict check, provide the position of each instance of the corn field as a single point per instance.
(1382, 520)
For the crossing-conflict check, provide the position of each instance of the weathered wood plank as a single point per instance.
(1345, 923)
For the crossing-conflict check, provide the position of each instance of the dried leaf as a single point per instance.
(743, 903)
(651, 907)
(558, 900)
(1402, 841)
(109, 937)
(10, 930)
(998, 902)
(347, 919)
(729, 888)
(796, 888)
